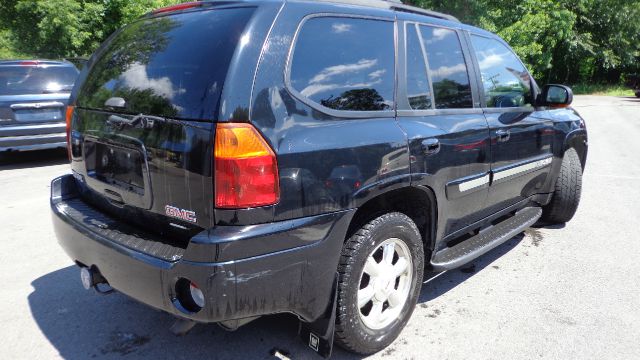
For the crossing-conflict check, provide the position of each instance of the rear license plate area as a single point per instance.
(45, 114)
(118, 166)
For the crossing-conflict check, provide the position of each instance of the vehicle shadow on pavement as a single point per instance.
(32, 159)
(82, 324)
(438, 284)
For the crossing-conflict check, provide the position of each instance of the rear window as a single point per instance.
(21, 79)
(171, 66)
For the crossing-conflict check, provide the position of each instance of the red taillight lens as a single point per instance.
(68, 117)
(246, 170)
(178, 7)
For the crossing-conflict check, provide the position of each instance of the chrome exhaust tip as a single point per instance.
(91, 278)
(87, 278)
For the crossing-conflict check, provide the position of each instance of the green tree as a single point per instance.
(560, 40)
(65, 28)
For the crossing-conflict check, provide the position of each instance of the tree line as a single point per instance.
(567, 41)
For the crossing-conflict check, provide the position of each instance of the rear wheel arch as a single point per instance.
(417, 202)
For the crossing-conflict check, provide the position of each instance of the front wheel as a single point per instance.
(380, 271)
(568, 188)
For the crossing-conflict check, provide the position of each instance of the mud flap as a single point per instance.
(318, 335)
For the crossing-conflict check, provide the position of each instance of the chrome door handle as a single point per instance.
(431, 146)
(503, 135)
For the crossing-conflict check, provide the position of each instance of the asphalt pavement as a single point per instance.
(563, 292)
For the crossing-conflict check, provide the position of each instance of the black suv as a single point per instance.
(244, 158)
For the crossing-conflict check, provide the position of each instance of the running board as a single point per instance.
(464, 252)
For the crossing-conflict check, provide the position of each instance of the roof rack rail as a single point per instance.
(395, 5)
(398, 5)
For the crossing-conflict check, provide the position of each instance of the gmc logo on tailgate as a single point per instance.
(186, 215)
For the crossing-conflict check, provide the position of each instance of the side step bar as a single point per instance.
(487, 239)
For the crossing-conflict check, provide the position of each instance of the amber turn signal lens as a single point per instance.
(246, 169)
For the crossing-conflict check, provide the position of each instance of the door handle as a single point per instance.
(503, 135)
(431, 146)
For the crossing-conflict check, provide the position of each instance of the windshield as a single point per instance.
(21, 79)
(172, 66)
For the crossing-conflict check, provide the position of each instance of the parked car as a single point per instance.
(33, 97)
(446, 144)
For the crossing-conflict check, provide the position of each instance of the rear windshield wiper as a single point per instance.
(146, 121)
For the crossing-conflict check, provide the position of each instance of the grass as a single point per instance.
(602, 89)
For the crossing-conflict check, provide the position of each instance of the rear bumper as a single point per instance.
(32, 137)
(293, 272)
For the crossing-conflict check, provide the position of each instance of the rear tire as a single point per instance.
(380, 277)
(566, 196)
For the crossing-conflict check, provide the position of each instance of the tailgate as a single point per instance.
(156, 173)
(142, 131)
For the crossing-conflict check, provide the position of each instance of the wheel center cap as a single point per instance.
(383, 288)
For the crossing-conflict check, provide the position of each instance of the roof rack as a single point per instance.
(395, 5)
(398, 5)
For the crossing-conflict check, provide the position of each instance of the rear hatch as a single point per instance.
(33, 92)
(142, 130)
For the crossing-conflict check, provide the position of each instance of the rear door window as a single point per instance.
(172, 66)
(418, 88)
(447, 67)
(345, 63)
(506, 81)
(21, 79)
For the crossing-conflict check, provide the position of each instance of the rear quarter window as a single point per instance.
(345, 63)
(171, 66)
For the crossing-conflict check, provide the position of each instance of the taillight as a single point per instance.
(68, 117)
(177, 7)
(246, 170)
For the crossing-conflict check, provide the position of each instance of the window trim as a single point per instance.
(343, 113)
(483, 100)
(416, 29)
(404, 109)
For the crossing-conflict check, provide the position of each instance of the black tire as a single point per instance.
(566, 196)
(638, 93)
(351, 332)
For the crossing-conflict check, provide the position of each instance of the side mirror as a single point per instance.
(555, 96)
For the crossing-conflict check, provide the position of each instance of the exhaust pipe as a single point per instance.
(182, 326)
(91, 278)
